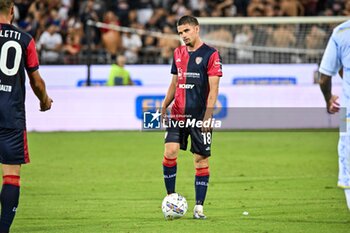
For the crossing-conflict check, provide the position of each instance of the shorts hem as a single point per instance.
(201, 154)
(15, 163)
(174, 141)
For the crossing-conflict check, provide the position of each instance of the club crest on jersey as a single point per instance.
(198, 60)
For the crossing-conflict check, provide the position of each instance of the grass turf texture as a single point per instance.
(112, 182)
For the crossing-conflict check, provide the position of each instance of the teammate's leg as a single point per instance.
(170, 166)
(13, 153)
(344, 166)
(9, 195)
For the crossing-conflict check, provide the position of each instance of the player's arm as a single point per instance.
(36, 82)
(332, 103)
(169, 95)
(330, 65)
(212, 97)
(39, 88)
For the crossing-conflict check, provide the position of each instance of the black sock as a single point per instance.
(9, 202)
(201, 186)
(170, 178)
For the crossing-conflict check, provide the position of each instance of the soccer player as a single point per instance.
(336, 58)
(17, 54)
(196, 71)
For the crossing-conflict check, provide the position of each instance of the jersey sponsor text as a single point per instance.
(186, 86)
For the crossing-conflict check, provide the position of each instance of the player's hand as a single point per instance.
(46, 105)
(164, 115)
(206, 124)
(333, 105)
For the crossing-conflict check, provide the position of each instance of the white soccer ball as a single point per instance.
(174, 206)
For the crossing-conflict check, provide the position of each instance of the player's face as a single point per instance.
(188, 33)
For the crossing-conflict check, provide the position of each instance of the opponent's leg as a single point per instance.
(344, 166)
(9, 195)
(170, 165)
(201, 164)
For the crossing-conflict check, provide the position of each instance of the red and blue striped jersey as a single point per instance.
(17, 54)
(193, 70)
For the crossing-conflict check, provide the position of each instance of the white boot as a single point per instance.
(198, 212)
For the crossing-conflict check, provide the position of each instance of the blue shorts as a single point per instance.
(13, 146)
(200, 141)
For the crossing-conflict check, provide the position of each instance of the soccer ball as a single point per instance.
(174, 206)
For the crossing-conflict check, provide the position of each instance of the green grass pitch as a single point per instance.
(108, 182)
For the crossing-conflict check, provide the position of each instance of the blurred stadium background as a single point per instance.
(265, 37)
(268, 47)
(271, 50)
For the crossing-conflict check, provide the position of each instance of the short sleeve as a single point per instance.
(215, 65)
(173, 67)
(32, 62)
(331, 63)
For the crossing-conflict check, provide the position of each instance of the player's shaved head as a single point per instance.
(5, 6)
(187, 19)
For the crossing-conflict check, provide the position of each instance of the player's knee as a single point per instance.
(201, 161)
(11, 169)
(171, 153)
